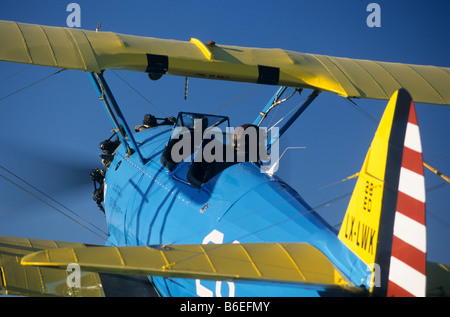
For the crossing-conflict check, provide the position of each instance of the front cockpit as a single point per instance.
(205, 144)
(189, 133)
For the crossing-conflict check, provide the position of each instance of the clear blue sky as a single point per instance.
(60, 122)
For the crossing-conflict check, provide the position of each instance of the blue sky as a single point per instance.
(58, 123)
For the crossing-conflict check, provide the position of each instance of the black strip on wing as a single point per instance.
(268, 75)
(157, 64)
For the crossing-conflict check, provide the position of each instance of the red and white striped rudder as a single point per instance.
(407, 275)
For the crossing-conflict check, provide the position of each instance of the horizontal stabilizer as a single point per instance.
(297, 263)
(97, 51)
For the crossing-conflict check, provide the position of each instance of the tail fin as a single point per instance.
(385, 220)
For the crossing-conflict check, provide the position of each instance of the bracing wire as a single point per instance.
(427, 165)
(287, 114)
(14, 74)
(140, 94)
(277, 104)
(439, 156)
(361, 110)
(32, 84)
(236, 99)
(50, 204)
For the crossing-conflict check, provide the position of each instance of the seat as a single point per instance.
(166, 157)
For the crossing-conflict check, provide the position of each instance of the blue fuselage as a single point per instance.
(150, 205)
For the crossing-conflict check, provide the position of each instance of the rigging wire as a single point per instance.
(50, 205)
(443, 184)
(274, 114)
(33, 83)
(35, 188)
(15, 73)
(277, 104)
(426, 164)
(292, 110)
(439, 156)
(362, 111)
(140, 94)
(237, 99)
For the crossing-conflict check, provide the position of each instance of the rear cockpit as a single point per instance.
(211, 145)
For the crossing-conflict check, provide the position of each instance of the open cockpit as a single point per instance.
(211, 145)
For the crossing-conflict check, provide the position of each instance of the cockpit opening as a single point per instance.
(188, 134)
(211, 145)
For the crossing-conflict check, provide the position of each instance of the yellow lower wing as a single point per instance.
(17, 279)
(33, 267)
(280, 262)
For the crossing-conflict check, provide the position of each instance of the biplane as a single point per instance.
(195, 173)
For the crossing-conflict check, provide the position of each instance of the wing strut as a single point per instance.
(115, 114)
(274, 101)
(294, 117)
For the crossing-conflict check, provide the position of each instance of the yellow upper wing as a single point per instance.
(96, 51)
